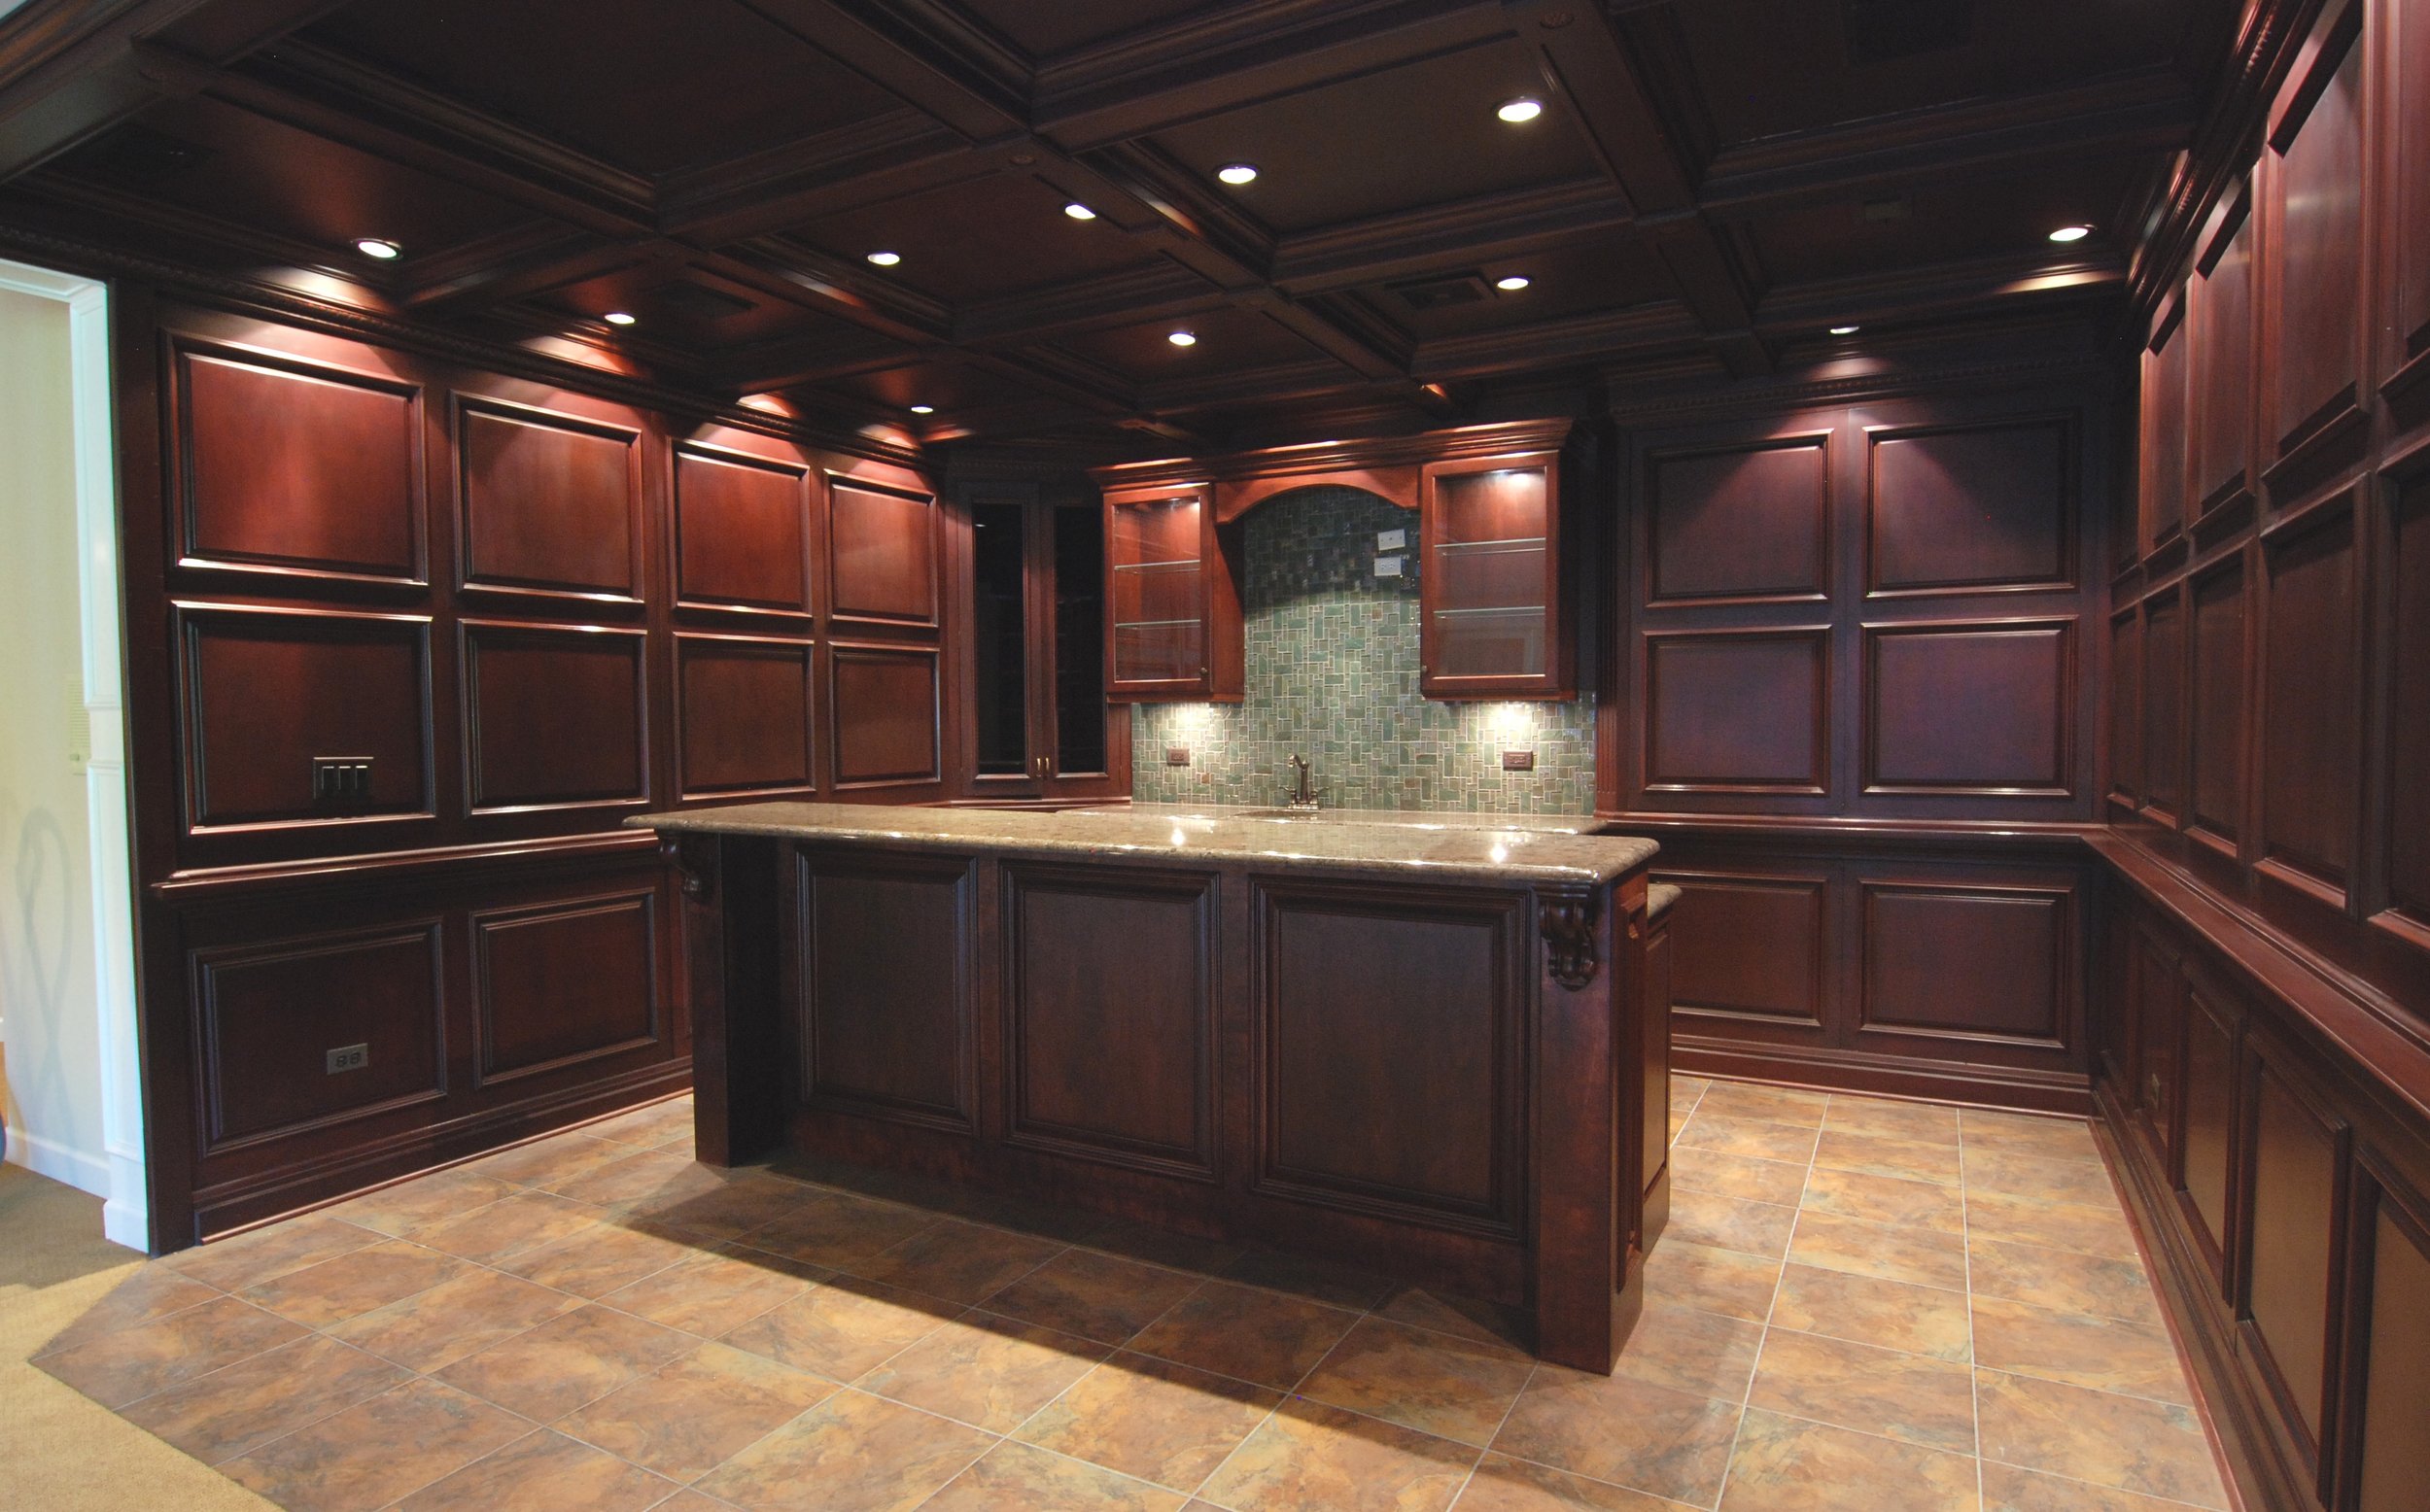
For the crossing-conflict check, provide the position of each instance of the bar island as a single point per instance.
(1423, 1048)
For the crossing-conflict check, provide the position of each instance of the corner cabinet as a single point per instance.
(1496, 623)
(1041, 728)
(1172, 610)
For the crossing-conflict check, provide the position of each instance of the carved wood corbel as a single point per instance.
(695, 856)
(1566, 918)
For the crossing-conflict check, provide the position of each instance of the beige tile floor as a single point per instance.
(1860, 1304)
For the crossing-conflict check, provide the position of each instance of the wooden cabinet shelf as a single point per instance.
(1172, 598)
(1496, 622)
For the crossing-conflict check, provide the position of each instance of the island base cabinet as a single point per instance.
(1435, 1080)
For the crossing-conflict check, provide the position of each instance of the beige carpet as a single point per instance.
(63, 1453)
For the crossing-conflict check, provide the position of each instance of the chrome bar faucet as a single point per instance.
(1301, 796)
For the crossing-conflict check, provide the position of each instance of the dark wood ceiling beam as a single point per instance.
(69, 71)
(1941, 291)
(817, 282)
(798, 361)
(926, 54)
(886, 156)
(487, 272)
(1415, 242)
(1163, 290)
(1571, 340)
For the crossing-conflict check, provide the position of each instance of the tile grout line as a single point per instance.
(1974, 1368)
(1763, 1339)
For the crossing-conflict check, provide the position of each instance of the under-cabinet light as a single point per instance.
(2071, 234)
(381, 248)
(1079, 212)
(1237, 173)
(1183, 338)
(1520, 111)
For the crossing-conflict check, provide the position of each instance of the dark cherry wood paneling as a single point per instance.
(297, 467)
(2164, 706)
(2020, 742)
(744, 718)
(884, 702)
(1747, 523)
(554, 716)
(1716, 923)
(2298, 1167)
(1736, 711)
(2393, 1457)
(1972, 507)
(742, 532)
(551, 503)
(265, 691)
(270, 1012)
(2222, 459)
(1347, 979)
(881, 553)
(568, 981)
(1967, 963)
(2207, 1123)
(2407, 205)
(1110, 1016)
(2156, 1025)
(2125, 709)
(2311, 700)
(888, 951)
(2162, 451)
(2216, 726)
(2406, 836)
(2315, 278)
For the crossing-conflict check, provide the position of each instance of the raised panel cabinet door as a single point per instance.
(1979, 709)
(2223, 366)
(2290, 1224)
(2162, 493)
(1972, 509)
(881, 553)
(2393, 1459)
(2316, 308)
(887, 971)
(2408, 757)
(2311, 698)
(742, 532)
(556, 717)
(1747, 946)
(1967, 963)
(1743, 523)
(884, 702)
(551, 503)
(1737, 712)
(294, 467)
(271, 1013)
(744, 706)
(2217, 725)
(1111, 1015)
(563, 982)
(2164, 704)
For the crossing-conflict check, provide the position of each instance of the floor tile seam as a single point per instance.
(1738, 1429)
(674, 1488)
(49, 1351)
(2098, 1390)
(1995, 1150)
(1959, 1291)
(1533, 1370)
(244, 1359)
(1301, 1392)
(1599, 1480)
(2078, 1480)
(1080, 1459)
(1974, 1381)
(120, 1413)
(994, 1438)
(560, 1426)
(1822, 1164)
(1887, 1348)
(531, 1425)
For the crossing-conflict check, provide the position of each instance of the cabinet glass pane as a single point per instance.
(1079, 641)
(1001, 634)
(1489, 561)
(1158, 592)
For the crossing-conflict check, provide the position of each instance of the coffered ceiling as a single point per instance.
(1710, 186)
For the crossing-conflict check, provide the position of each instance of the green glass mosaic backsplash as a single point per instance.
(1332, 662)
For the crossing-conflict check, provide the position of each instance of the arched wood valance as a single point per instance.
(1391, 467)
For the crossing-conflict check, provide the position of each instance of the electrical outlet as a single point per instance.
(350, 1058)
(1387, 566)
(1176, 755)
(341, 779)
(1518, 761)
(1392, 540)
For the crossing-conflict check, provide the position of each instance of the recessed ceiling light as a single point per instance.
(1521, 110)
(1843, 330)
(378, 247)
(1237, 173)
(1183, 338)
(617, 318)
(923, 409)
(1512, 284)
(1079, 212)
(2071, 234)
(885, 259)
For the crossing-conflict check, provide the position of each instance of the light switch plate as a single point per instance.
(1392, 540)
(1518, 761)
(1387, 566)
(1176, 755)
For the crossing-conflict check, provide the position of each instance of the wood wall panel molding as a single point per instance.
(2311, 700)
(2167, 374)
(549, 504)
(295, 469)
(1738, 711)
(884, 547)
(2388, 1343)
(2165, 643)
(2313, 170)
(746, 718)
(568, 980)
(2225, 338)
(2405, 29)
(555, 716)
(2405, 838)
(2021, 744)
(1110, 1016)
(1972, 509)
(264, 691)
(1714, 973)
(888, 1034)
(1959, 962)
(1341, 970)
(2208, 1162)
(270, 1011)
(2216, 723)
(1744, 524)
(2296, 1188)
(882, 702)
(742, 532)
(2124, 710)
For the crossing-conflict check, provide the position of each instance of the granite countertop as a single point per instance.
(1463, 850)
(1407, 818)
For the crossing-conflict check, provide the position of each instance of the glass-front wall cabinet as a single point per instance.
(1172, 598)
(1040, 724)
(1490, 590)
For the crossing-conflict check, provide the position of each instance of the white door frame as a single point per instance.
(127, 1209)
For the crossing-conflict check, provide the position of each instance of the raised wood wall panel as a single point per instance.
(1737, 712)
(554, 716)
(271, 1011)
(2156, 1022)
(1713, 971)
(1343, 973)
(2164, 704)
(742, 532)
(2311, 699)
(1111, 1015)
(1967, 963)
(2125, 708)
(744, 722)
(265, 691)
(2393, 1457)
(888, 1032)
(568, 981)
(551, 503)
(2298, 1168)
(2217, 723)
(2208, 1142)
(1747, 523)
(2407, 118)
(2316, 175)
(2407, 837)
(299, 468)
(2020, 743)
(1972, 508)
(2166, 374)
(881, 553)
(883, 702)
(2222, 466)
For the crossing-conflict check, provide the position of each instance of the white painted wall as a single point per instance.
(69, 1080)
